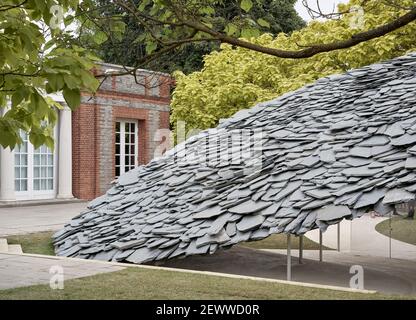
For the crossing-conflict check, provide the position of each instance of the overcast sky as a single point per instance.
(326, 6)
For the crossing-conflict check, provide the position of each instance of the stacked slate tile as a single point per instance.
(329, 151)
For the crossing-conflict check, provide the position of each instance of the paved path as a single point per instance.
(365, 240)
(21, 270)
(390, 276)
(18, 220)
(384, 275)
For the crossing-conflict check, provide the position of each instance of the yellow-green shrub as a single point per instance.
(237, 78)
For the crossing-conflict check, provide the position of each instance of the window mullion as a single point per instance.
(30, 181)
(136, 144)
(122, 146)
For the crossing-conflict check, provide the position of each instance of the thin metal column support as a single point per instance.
(390, 230)
(320, 246)
(301, 249)
(289, 259)
(339, 236)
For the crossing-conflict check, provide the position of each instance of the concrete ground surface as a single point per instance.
(21, 271)
(20, 220)
(369, 250)
(361, 238)
(384, 275)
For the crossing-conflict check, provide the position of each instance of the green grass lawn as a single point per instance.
(279, 241)
(137, 283)
(39, 242)
(402, 229)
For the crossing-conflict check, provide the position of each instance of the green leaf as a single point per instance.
(8, 135)
(246, 5)
(36, 139)
(89, 80)
(207, 10)
(100, 37)
(72, 97)
(150, 47)
(231, 29)
(250, 32)
(49, 142)
(18, 96)
(56, 81)
(208, 24)
(143, 5)
(39, 105)
(263, 23)
(71, 81)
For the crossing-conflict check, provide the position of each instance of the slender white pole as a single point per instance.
(339, 236)
(289, 259)
(390, 232)
(7, 174)
(6, 171)
(320, 246)
(301, 249)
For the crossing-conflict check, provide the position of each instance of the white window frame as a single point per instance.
(30, 193)
(122, 154)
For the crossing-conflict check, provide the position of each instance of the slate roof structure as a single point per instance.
(329, 151)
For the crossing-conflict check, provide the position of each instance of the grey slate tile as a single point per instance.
(369, 198)
(394, 130)
(363, 152)
(327, 156)
(249, 206)
(209, 212)
(318, 194)
(250, 222)
(410, 163)
(360, 172)
(398, 196)
(404, 140)
(332, 212)
(343, 125)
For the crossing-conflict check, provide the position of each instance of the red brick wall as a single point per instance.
(134, 97)
(164, 118)
(86, 140)
(86, 135)
(165, 86)
(84, 152)
(85, 144)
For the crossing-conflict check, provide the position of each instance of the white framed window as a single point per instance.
(35, 171)
(21, 163)
(127, 146)
(43, 169)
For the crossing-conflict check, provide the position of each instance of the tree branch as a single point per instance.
(9, 7)
(313, 49)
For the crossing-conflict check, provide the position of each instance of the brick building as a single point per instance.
(107, 135)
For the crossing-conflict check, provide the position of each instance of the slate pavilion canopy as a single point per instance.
(332, 150)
